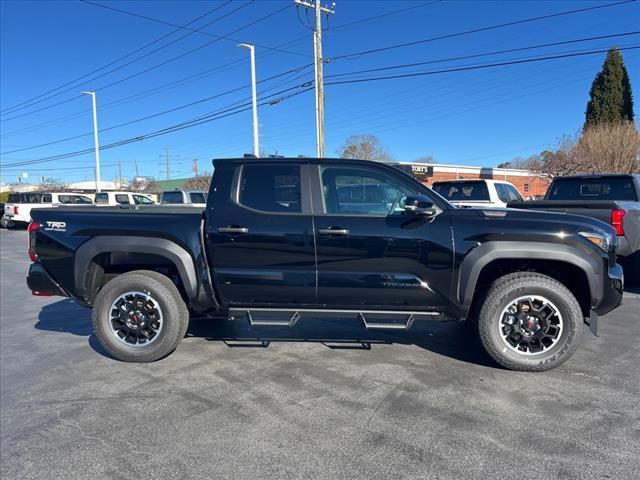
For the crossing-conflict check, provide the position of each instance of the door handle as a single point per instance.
(233, 230)
(333, 231)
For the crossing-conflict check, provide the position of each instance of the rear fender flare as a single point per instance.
(177, 255)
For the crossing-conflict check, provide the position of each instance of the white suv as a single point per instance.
(122, 198)
(17, 210)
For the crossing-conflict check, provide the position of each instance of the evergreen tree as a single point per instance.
(610, 96)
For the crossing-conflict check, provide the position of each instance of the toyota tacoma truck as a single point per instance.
(284, 239)
(612, 198)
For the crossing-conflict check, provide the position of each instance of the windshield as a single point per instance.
(614, 188)
(462, 191)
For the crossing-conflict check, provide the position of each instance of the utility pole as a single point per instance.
(136, 164)
(194, 166)
(319, 75)
(254, 97)
(95, 138)
(120, 173)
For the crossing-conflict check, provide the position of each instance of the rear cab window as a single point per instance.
(197, 197)
(463, 191)
(614, 188)
(172, 197)
(102, 198)
(270, 188)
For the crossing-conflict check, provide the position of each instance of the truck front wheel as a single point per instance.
(530, 322)
(140, 316)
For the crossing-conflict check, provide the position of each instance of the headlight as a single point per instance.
(602, 240)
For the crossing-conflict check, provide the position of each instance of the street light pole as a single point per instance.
(95, 138)
(254, 99)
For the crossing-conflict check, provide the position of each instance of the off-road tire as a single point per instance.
(512, 286)
(175, 315)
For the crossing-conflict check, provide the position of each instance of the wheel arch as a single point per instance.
(579, 272)
(173, 254)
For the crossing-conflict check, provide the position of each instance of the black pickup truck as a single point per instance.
(612, 198)
(282, 239)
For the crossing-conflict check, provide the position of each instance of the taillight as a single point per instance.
(15, 210)
(33, 228)
(616, 221)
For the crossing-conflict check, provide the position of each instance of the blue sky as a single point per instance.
(477, 117)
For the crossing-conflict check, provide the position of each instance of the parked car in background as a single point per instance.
(478, 193)
(613, 199)
(122, 198)
(194, 198)
(285, 238)
(17, 209)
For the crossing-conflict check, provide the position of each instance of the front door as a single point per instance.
(370, 252)
(260, 234)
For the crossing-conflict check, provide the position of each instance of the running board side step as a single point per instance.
(277, 317)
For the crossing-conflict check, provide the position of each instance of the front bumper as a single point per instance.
(613, 287)
(40, 282)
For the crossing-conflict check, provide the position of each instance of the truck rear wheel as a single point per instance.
(140, 316)
(530, 322)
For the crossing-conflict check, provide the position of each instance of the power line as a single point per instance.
(174, 128)
(481, 29)
(206, 14)
(180, 107)
(145, 17)
(194, 77)
(474, 67)
(486, 54)
(165, 62)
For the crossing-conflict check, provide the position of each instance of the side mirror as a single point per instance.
(420, 206)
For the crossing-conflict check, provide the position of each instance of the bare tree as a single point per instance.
(609, 148)
(604, 148)
(199, 183)
(364, 147)
(52, 185)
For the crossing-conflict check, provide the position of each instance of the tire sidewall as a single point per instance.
(560, 351)
(169, 335)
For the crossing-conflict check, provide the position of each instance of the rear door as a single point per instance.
(259, 234)
(370, 253)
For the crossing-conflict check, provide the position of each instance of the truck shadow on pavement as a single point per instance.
(452, 339)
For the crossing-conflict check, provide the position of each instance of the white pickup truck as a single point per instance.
(478, 193)
(17, 210)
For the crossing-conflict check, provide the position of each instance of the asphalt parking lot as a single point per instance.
(421, 404)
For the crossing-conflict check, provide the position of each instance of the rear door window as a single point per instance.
(271, 188)
(122, 199)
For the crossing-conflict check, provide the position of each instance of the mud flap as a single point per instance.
(592, 321)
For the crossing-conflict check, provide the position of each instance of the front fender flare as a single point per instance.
(483, 255)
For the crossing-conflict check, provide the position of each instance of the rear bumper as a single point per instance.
(613, 287)
(40, 282)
